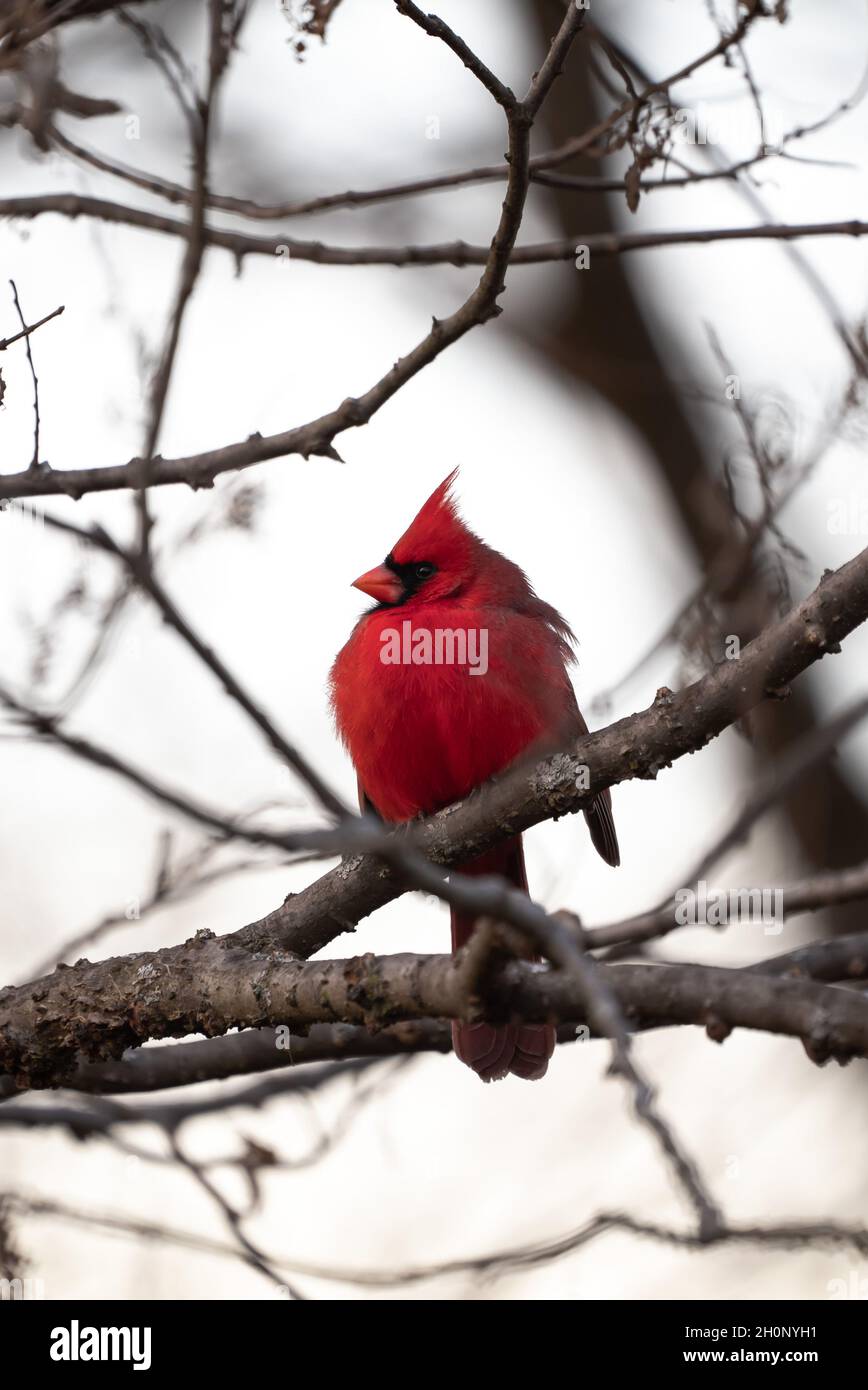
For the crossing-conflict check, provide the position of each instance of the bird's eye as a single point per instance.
(423, 571)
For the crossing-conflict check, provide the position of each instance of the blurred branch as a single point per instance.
(102, 1116)
(576, 144)
(28, 20)
(811, 894)
(201, 119)
(455, 253)
(497, 1264)
(540, 169)
(248, 1251)
(42, 93)
(244, 1054)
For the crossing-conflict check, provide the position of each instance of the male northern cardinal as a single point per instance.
(423, 730)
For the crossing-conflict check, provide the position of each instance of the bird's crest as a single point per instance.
(436, 524)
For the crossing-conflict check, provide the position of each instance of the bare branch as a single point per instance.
(493, 1265)
(31, 328)
(437, 29)
(25, 334)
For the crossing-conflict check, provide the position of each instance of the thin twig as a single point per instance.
(25, 334)
(31, 328)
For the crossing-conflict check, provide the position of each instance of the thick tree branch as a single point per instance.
(843, 958)
(208, 986)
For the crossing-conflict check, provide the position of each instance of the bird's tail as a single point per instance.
(494, 1050)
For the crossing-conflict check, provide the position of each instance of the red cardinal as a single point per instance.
(458, 671)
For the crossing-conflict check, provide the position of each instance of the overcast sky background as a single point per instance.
(439, 1167)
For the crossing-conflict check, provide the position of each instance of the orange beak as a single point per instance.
(381, 584)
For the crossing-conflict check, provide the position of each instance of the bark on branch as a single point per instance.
(212, 985)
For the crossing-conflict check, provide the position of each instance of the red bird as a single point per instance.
(458, 671)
